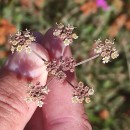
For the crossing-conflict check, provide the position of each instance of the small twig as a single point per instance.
(38, 55)
(63, 50)
(70, 83)
(84, 61)
(49, 81)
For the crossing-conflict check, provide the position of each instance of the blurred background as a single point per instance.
(110, 106)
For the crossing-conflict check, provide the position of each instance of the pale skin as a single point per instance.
(58, 112)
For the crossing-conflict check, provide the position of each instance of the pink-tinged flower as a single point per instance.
(102, 3)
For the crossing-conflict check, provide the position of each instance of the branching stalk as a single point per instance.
(63, 50)
(38, 55)
(70, 83)
(49, 81)
(85, 61)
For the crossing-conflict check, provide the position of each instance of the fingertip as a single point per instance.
(28, 64)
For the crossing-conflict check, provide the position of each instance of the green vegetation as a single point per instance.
(110, 108)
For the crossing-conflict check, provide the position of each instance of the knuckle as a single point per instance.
(11, 106)
(69, 123)
(11, 103)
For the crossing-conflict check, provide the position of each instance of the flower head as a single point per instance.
(114, 55)
(45, 90)
(40, 103)
(67, 41)
(19, 48)
(57, 33)
(87, 100)
(75, 99)
(81, 93)
(106, 59)
(74, 36)
(98, 50)
(65, 33)
(36, 93)
(91, 91)
(102, 3)
(59, 67)
(28, 49)
(28, 99)
(21, 41)
(106, 49)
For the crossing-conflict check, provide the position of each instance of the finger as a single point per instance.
(18, 69)
(59, 112)
(36, 122)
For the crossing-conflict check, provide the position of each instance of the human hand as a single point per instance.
(58, 112)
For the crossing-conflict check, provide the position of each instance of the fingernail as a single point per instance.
(28, 65)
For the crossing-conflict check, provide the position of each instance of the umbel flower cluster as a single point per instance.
(36, 93)
(58, 68)
(81, 93)
(106, 50)
(65, 33)
(21, 41)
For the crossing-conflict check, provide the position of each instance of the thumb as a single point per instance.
(18, 69)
